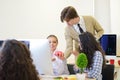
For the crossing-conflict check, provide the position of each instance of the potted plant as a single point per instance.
(81, 63)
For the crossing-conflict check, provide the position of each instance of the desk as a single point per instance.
(117, 70)
(63, 77)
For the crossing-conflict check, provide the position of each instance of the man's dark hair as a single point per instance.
(68, 13)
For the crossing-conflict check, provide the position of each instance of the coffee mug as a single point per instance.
(119, 62)
(112, 61)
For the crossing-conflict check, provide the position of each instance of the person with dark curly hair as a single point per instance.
(94, 53)
(16, 62)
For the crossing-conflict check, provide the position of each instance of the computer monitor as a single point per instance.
(1, 42)
(109, 43)
(40, 52)
(27, 43)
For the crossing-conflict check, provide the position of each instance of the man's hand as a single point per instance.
(75, 53)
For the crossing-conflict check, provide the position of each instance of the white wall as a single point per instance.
(115, 21)
(102, 14)
(115, 16)
(37, 18)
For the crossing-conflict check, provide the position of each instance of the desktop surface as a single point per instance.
(61, 77)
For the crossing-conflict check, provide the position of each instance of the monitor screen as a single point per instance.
(27, 43)
(108, 43)
(1, 41)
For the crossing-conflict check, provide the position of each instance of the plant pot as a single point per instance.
(80, 76)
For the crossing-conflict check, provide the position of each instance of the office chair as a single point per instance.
(70, 68)
(108, 72)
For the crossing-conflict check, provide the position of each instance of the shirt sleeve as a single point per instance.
(60, 67)
(69, 44)
(96, 69)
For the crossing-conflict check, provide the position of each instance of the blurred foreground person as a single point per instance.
(16, 62)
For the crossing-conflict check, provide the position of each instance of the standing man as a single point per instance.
(75, 26)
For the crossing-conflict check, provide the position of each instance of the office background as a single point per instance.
(30, 19)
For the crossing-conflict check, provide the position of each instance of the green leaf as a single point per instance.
(82, 61)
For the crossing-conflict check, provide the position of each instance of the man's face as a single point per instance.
(73, 21)
(70, 22)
